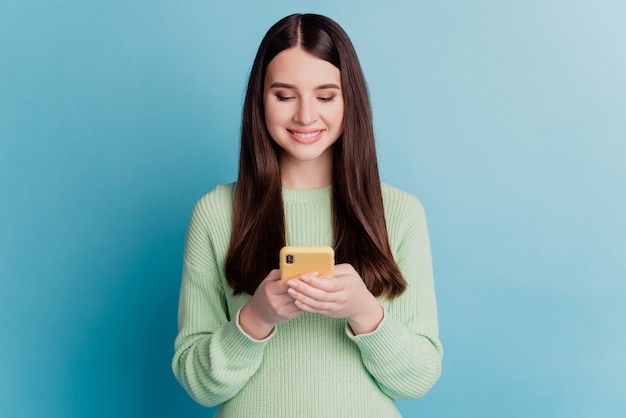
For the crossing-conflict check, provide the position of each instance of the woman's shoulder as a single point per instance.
(221, 194)
(405, 217)
(218, 202)
(398, 200)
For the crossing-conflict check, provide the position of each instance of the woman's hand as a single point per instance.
(342, 296)
(270, 305)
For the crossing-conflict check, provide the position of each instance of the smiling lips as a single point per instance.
(306, 137)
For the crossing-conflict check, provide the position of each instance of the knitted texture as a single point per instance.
(313, 365)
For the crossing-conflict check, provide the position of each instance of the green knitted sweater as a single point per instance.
(312, 366)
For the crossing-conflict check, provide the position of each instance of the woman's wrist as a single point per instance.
(367, 320)
(252, 325)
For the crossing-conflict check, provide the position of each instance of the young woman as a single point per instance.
(313, 346)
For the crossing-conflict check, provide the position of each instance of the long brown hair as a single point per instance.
(359, 229)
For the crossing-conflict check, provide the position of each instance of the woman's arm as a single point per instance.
(404, 353)
(216, 355)
(213, 357)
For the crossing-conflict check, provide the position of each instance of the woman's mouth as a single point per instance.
(306, 137)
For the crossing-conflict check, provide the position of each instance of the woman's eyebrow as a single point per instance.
(282, 86)
(328, 86)
(278, 85)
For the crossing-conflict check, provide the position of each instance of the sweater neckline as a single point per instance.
(307, 195)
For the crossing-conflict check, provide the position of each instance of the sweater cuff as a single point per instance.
(248, 337)
(377, 342)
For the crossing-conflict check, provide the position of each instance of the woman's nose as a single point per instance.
(305, 113)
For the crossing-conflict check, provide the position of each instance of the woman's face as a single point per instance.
(304, 105)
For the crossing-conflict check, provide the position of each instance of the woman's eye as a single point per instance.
(326, 99)
(283, 98)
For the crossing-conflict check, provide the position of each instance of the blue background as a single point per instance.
(507, 119)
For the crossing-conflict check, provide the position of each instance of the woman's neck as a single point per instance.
(303, 175)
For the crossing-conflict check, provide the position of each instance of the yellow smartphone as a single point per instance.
(298, 260)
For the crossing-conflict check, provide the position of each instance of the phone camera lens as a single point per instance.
(289, 259)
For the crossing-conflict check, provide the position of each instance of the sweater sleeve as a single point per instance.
(213, 357)
(404, 353)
